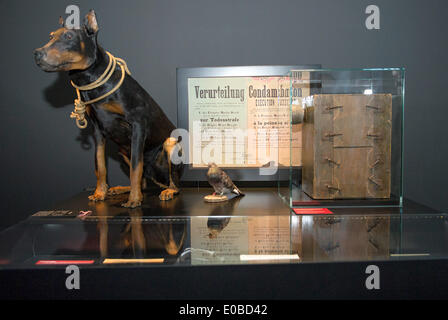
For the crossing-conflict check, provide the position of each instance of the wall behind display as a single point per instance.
(46, 158)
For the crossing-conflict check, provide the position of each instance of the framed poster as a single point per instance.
(239, 118)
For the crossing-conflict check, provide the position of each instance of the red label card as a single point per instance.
(63, 262)
(312, 211)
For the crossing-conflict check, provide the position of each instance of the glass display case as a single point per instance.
(256, 229)
(249, 247)
(350, 124)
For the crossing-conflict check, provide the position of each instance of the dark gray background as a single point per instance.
(44, 161)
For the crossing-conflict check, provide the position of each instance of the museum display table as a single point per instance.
(249, 242)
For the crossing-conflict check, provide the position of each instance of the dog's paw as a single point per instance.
(99, 195)
(132, 204)
(168, 194)
(118, 190)
(135, 200)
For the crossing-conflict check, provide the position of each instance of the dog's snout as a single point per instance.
(38, 54)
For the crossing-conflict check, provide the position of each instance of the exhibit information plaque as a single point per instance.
(242, 121)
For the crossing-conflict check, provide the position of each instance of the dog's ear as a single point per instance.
(90, 23)
(61, 21)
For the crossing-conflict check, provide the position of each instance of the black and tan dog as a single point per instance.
(128, 116)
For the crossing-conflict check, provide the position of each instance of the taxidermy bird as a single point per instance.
(220, 181)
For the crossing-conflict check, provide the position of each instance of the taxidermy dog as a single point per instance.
(118, 108)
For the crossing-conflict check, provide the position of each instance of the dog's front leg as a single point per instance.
(168, 147)
(100, 168)
(136, 168)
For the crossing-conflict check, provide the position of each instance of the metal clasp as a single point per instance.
(333, 107)
(329, 187)
(377, 162)
(376, 108)
(378, 184)
(331, 135)
(373, 135)
(332, 161)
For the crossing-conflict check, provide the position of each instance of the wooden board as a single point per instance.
(347, 146)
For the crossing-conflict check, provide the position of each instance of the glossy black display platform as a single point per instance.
(253, 236)
(189, 202)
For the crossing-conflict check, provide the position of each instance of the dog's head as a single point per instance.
(70, 49)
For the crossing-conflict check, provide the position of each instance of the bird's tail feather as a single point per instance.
(238, 191)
